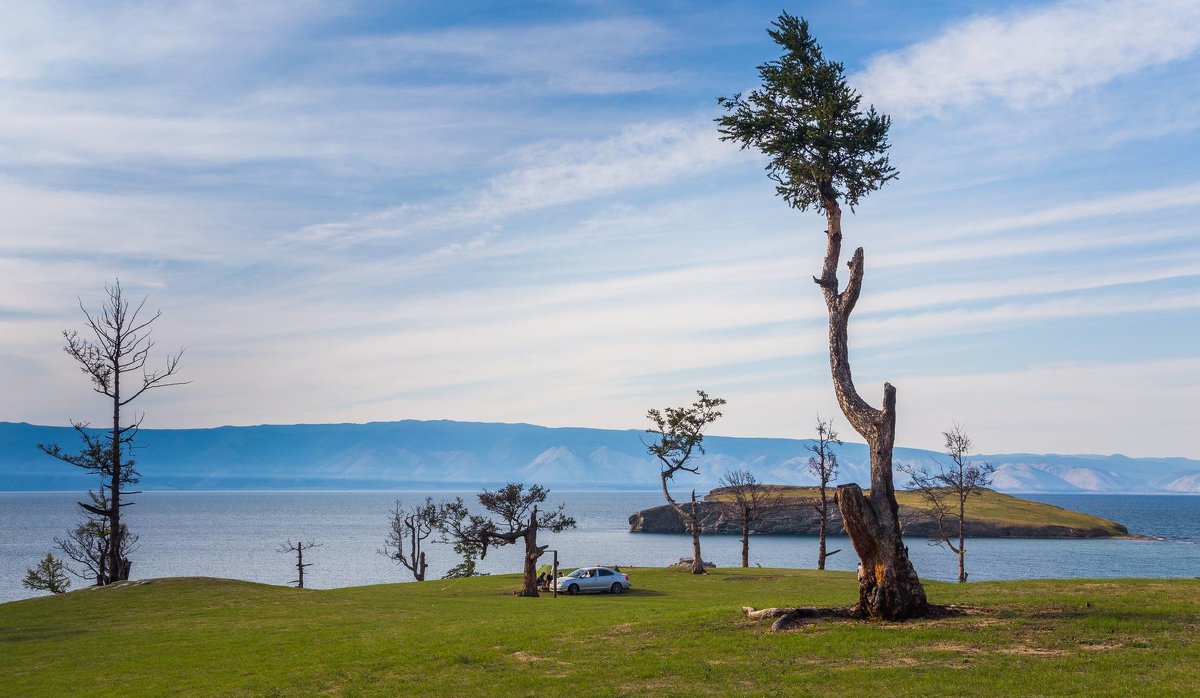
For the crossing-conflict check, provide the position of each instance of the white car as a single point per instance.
(593, 579)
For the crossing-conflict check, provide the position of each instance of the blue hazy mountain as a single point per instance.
(460, 455)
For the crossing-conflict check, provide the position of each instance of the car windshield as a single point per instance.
(578, 573)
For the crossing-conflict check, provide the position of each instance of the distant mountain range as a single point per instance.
(463, 455)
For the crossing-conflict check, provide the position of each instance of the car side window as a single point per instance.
(605, 573)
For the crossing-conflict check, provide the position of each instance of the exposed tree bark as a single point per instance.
(824, 148)
(787, 618)
(889, 588)
(533, 552)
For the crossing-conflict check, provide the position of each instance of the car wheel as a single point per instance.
(573, 589)
(617, 588)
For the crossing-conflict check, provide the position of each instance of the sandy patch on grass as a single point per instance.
(527, 658)
(1026, 651)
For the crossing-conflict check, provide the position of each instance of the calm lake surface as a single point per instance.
(235, 534)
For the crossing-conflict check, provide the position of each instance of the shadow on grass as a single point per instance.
(632, 591)
(38, 635)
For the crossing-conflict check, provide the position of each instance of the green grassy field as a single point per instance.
(674, 634)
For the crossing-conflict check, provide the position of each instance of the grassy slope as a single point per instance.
(674, 634)
(994, 507)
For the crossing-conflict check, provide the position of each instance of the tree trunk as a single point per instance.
(114, 517)
(419, 573)
(889, 588)
(697, 560)
(962, 534)
(824, 511)
(745, 541)
(532, 553)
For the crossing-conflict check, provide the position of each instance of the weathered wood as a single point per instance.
(789, 617)
(889, 588)
(753, 614)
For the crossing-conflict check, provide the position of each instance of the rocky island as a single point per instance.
(989, 515)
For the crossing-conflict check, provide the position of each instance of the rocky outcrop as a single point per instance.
(798, 516)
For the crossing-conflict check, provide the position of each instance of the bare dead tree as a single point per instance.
(746, 500)
(680, 432)
(824, 150)
(409, 529)
(119, 345)
(948, 489)
(518, 520)
(87, 544)
(298, 547)
(823, 464)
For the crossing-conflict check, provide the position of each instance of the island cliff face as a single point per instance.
(996, 517)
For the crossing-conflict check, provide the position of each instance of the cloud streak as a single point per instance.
(1032, 56)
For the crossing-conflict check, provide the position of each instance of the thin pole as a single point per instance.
(554, 575)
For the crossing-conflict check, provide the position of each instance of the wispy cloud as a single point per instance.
(598, 57)
(553, 174)
(1030, 56)
(485, 215)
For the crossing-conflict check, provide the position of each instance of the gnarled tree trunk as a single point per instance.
(532, 553)
(889, 588)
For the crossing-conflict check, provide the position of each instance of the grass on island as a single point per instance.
(673, 634)
(989, 506)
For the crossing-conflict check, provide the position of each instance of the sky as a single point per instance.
(522, 212)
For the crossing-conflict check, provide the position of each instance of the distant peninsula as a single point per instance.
(989, 515)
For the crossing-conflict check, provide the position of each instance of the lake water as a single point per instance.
(235, 534)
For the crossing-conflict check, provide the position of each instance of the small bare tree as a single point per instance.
(410, 528)
(823, 464)
(88, 543)
(519, 520)
(47, 575)
(948, 489)
(680, 432)
(120, 345)
(298, 547)
(747, 501)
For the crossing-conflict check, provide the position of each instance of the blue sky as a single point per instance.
(522, 212)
